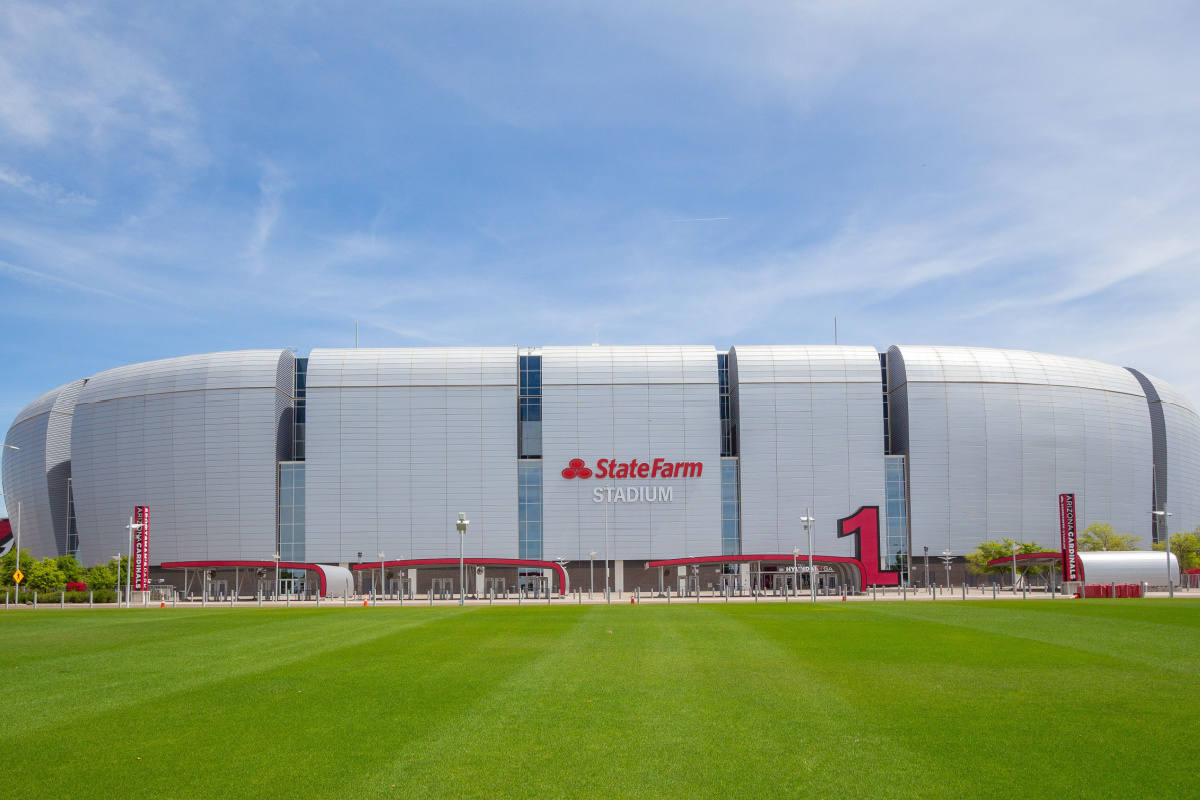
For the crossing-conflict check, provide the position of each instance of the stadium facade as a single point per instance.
(642, 454)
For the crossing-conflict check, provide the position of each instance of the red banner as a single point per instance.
(140, 571)
(1066, 527)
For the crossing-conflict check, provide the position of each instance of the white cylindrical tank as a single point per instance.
(1128, 566)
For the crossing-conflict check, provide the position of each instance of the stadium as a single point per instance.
(677, 466)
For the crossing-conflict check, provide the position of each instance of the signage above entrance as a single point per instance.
(610, 468)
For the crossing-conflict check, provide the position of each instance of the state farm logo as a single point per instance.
(576, 469)
(658, 468)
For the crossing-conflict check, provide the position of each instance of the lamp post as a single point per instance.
(117, 585)
(809, 521)
(1161, 516)
(795, 571)
(461, 526)
(946, 556)
(131, 527)
(606, 575)
(275, 558)
(1014, 549)
(18, 542)
(591, 573)
(382, 579)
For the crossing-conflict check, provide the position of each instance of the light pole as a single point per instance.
(795, 571)
(131, 527)
(606, 575)
(1014, 549)
(461, 525)
(809, 522)
(946, 556)
(382, 584)
(591, 573)
(18, 542)
(275, 558)
(1161, 516)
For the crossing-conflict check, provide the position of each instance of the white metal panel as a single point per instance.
(627, 403)
(194, 438)
(1183, 457)
(810, 436)
(399, 441)
(994, 436)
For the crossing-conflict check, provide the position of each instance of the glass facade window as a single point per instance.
(728, 445)
(72, 528)
(529, 509)
(299, 392)
(887, 428)
(529, 412)
(291, 511)
(731, 538)
(895, 544)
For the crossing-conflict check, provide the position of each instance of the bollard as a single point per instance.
(993, 591)
(287, 600)
(1022, 590)
(668, 594)
(905, 590)
(35, 599)
(91, 604)
(62, 599)
(579, 594)
(318, 599)
(964, 590)
(231, 598)
(203, 599)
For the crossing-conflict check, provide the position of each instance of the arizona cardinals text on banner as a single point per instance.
(1066, 527)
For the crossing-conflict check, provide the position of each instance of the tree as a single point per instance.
(100, 577)
(1102, 536)
(8, 565)
(1186, 547)
(71, 568)
(45, 576)
(977, 560)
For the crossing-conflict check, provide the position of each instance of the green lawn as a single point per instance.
(982, 699)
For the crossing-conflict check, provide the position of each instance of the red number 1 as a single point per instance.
(863, 525)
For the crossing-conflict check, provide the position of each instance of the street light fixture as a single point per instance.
(461, 525)
(1161, 516)
(946, 557)
(796, 571)
(1015, 545)
(382, 580)
(810, 523)
(117, 585)
(275, 558)
(591, 573)
(18, 542)
(131, 527)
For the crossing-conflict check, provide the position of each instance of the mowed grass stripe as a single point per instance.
(674, 701)
(1023, 708)
(848, 700)
(312, 724)
(1160, 633)
(168, 656)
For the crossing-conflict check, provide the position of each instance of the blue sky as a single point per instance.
(181, 178)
